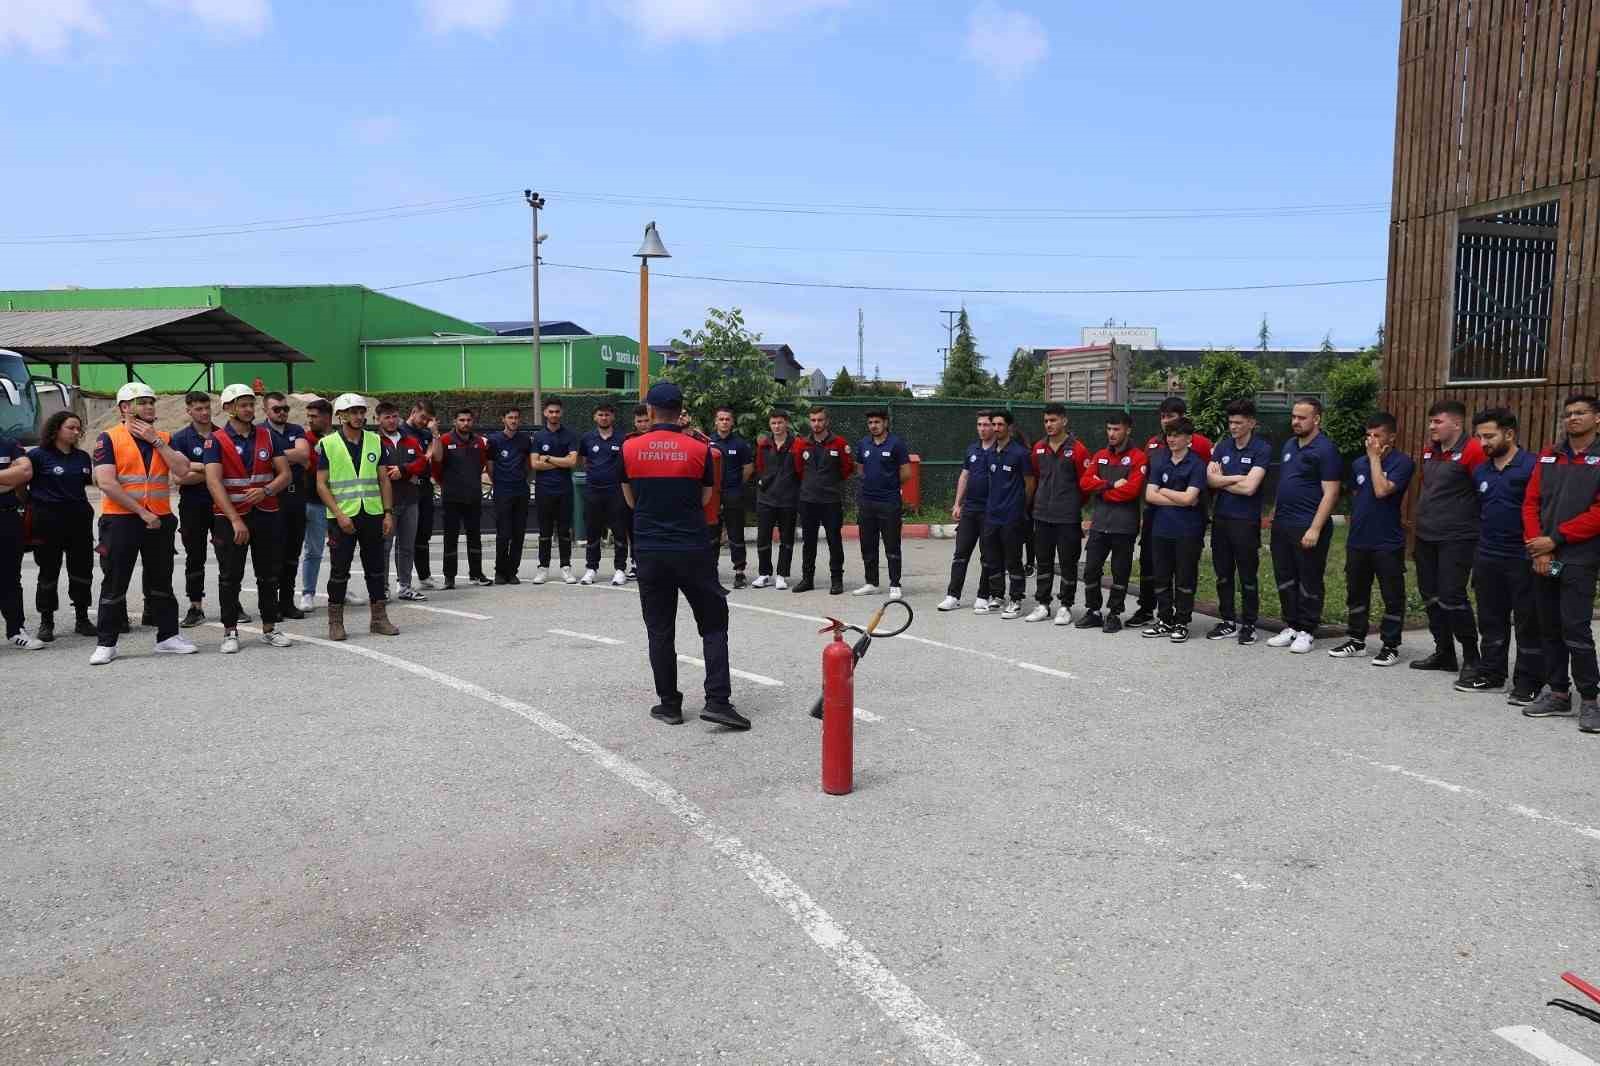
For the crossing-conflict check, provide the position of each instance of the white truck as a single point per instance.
(27, 401)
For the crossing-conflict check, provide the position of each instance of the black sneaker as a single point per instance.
(1479, 683)
(1178, 634)
(1113, 624)
(1247, 635)
(724, 714)
(1589, 716)
(805, 584)
(670, 713)
(449, 583)
(836, 587)
(1350, 648)
(1520, 697)
(1222, 630)
(1437, 661)
(290, 611)
(1386, 657)
(1141, 617)
(244, 618)
(481, 581)
(739, 580)
(1091, 620)
(192, 617)
(47, 629)
(1550, 705)
(1155, 629)
(500, 579)
(513, 579)
(84, 628)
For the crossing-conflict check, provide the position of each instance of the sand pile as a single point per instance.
(171, 416)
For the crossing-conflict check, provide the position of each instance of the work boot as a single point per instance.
(82, 626)
(336, 622)
(1444, 661)
(836, 586)
(805, 584)
(380, 623)
(47, 627)
(287, 609)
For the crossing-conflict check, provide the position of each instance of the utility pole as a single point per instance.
(944, 355)
(950, 327)
(861, 341)
(535, 201)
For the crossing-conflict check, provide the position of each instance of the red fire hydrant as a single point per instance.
(838, 715)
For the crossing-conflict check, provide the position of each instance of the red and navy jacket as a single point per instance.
(1063, 478)
(1447, 507)
(824, 466)
(777, 476)
(1563, 502)
(1116, 509)
(459, 471)
(410, 456)
(666, 468)
(222, 449)
(1200, 444)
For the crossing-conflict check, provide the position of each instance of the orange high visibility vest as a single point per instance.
(149, 487)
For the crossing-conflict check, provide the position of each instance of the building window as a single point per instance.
(1505, 279)
(616, 379)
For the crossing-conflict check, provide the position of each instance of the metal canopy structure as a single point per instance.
(203, 335)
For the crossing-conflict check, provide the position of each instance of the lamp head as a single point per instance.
(652, 248)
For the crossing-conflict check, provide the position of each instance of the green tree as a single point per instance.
(1025, 376)
(729, 369)
(1221, 378)
(1352, 397)
(843, 384)
(964, 376)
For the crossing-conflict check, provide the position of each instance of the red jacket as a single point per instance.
(1200, 445)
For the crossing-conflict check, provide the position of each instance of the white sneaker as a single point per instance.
(980, 606)
(408, 593)
(620, 578)
(428, 583)
(539, 576)
(230, 643)
(949, 603)
(779, 583)
(1283, 639)
(102, 655)
(1302, 642)
(308, 601)
(276, 639)
(865, 590)
(566, 575)
(1063, 616)
(1013, 609)
(1040, 613)
(175, 645)
(762, 581)
(354, 598)
(26, 641)
(586, 579)
(895, 593)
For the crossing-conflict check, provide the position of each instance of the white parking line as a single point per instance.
(867, 716)
(444, 610)
(938, 1043)
(760, 679)
(1542, 1046)
(586, 636)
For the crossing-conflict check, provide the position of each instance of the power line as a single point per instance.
(996, 253)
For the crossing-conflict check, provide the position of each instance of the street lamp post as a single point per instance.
(652, 248)
(536, 202)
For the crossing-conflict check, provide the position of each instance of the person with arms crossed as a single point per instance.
(885, 463)
(1011, 486)
(194, 504)
(604, 509)
(1447, 538)
(63, 523)
(555, 454)
(1235, 474)
(1561, 530)
(972, 500)
(360, 509)
(1302, 527)
(1376, 545)
(1060, 466)
(291, 510)
(777, 501)
(1171, 409)
(823, 464)
(738, 463)
(1114, 479)
(1176, 491)
(667, 478)
(405, 464)
(510, 454)
(458, 459)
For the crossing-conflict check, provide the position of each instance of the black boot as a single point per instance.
(47, 627)
(287, 609)
(82, 626)
(805, 584)
(836, 586)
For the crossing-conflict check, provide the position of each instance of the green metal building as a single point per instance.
(355, 339)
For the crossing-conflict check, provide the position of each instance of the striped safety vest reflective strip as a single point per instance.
(354, 491)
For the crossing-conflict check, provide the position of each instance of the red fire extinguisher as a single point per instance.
(837, 704)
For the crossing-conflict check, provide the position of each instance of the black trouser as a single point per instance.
(1147, 561)
(194, 526)
(879, 520)
(1055, 541)
(124, 542)
(66, 532)
(368, 536)
(1388, 565)
(456, 517)
(969, 535)
(510, 527)
(419, 557)
(730, 519)
(604, 510)
(662, 575)
(1444, 570)
(1002, 553)
(1177, 574)
(1236, 549)
(830, 517)
(292, 524)
(1301, 575)
(1566, 614)
(1119, 546)
(555, 513)
(1504, 589)
(1028, 546)
(11, 569)
(783, 519)
(265, 553)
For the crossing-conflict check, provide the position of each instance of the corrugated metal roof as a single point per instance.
(141, 335)
(84, 328)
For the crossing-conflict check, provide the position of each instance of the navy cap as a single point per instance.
(664, 394)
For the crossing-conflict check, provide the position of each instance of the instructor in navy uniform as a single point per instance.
(667, 477)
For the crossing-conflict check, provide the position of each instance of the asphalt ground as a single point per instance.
(469, 843)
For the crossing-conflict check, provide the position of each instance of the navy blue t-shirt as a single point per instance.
(1375, 523)
(976, 464)
(880, 468)
(737, 453)
(602, 460)
(1500, 494)
(1256, 455)
(192, 446)
(1008, 491)
(291, 434)
(10, 452)
(1300, 479)
(554, 444)
(1179, 523)
(59, 478)
(666, 469)
(508, 458)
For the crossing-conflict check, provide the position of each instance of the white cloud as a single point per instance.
(479, 16)
(45, 27)
(245, 18)
(374, 130)
(1005, 42)
(713, 20)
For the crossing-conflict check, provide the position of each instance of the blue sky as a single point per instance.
(1012, 144)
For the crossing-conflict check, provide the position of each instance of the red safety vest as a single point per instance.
(236, 480)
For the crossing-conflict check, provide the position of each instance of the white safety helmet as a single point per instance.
(236, 392)
(135, 390)
(347, 400)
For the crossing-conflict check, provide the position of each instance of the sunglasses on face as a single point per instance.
(278, 410)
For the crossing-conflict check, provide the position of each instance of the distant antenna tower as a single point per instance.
(875, 376)
(861, 342)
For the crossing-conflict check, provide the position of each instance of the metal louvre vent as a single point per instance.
(1504, 284)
